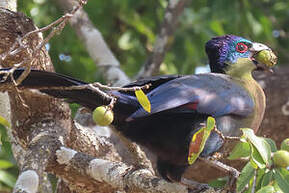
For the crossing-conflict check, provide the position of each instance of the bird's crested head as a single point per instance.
(233, 54)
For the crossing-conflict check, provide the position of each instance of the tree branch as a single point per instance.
(162, 44)
(115, 174)
(27, 121)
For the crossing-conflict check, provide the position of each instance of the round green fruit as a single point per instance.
(102, 116)
(266, 57)
(285, 144)
(281, 158)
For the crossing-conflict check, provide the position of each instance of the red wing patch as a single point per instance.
(195, 144)
(192, 106)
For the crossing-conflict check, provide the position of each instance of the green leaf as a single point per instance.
(259, 143)
(272, 144)
(241, 150)
(256, 158)
(143, 100)
(267, 178)
(285, 173)
(6, 145)
(4, 164)
(218, 183)
(246, 174)
(7, 178)
(199, 139)
(4, 122)
(210, 123)
(277, 188)
(282, 183)
(267, 189)
(259, 177)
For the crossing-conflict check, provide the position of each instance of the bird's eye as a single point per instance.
(241, 47)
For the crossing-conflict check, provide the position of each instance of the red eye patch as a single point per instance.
(241, 47)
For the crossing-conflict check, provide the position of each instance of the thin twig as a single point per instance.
(10, 51)
(92, 86)
(64, 18)
(223, 136)
(33, 53)
(99, 85)
(62, 22)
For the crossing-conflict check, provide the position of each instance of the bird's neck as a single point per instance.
(242, 69)
(241, 73)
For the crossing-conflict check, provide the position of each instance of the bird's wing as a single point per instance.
(212, 94)
(153, 82)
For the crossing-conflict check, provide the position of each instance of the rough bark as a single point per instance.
(31, 125)
(9, 4)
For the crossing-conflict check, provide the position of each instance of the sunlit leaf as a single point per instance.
(143, 100)
(4, 122)
(241, 150)
(199, 139)
(256, 158)
(277, 188)
(124, 41)
(259, 143)
(246, 174)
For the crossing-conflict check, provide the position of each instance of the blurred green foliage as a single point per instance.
(130, 28)
(8, 167)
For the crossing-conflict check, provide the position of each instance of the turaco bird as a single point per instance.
(180, 105)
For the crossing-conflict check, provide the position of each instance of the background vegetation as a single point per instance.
(130, 27)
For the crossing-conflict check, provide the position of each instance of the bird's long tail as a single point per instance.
(47, 82)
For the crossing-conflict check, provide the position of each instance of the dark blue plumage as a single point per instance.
(180, 104)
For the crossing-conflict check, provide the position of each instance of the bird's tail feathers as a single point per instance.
(47, 82)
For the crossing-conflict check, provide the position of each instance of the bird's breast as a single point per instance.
(254, 119)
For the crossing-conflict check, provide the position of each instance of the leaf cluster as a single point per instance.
(260, 174)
